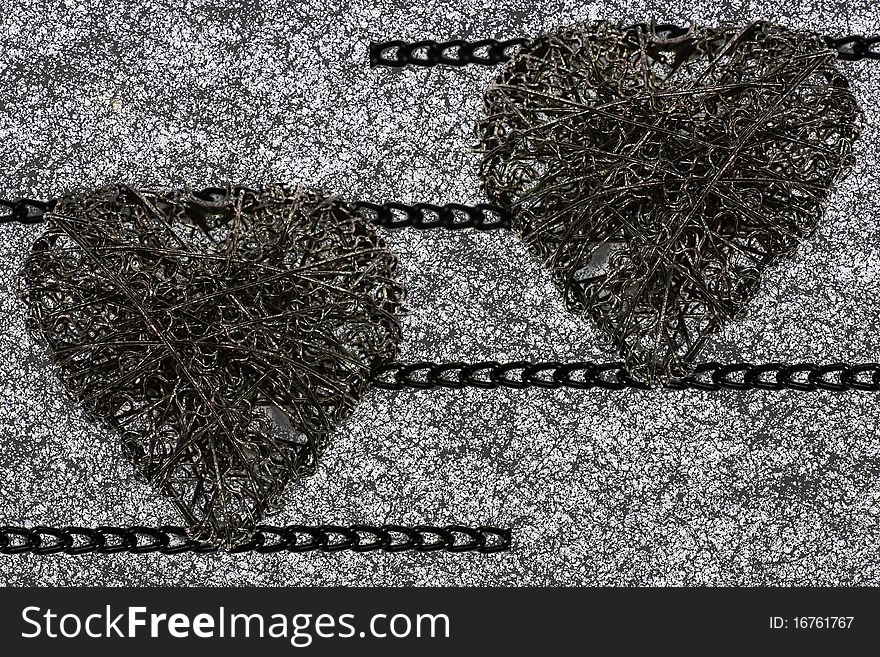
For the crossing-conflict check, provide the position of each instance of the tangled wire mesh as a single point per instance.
(222, 333)
(658, 176)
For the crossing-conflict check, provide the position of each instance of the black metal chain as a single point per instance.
(855, 47)
(805, 377)
(425, 216)
(292, 538)
(489, 52)
(24, 210)
(486, 52)
(421, 216)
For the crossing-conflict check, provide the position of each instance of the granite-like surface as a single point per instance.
(599, 487)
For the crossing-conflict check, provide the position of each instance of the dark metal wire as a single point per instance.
(658, 175)
(223, 334)
(802, 377)
(489, 52)
(266, 539)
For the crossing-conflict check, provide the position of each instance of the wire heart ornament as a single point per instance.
(222, 334)
(658, 176)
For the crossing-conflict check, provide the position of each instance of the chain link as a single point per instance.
(486, 52)
(397, 54)
(854, 47)
(24, 210)
(805, 377)
(293, 538)
(425, 216)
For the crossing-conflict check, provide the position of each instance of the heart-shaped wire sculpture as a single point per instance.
(658, 176)
(223, 334)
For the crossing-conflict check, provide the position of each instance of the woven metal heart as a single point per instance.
(223, 334)
(658, 176)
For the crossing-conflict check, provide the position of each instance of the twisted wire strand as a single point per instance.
(491, 52)
(168, 539)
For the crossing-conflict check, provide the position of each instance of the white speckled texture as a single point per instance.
(599, 487)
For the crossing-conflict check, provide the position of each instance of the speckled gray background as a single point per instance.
(599, 487)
